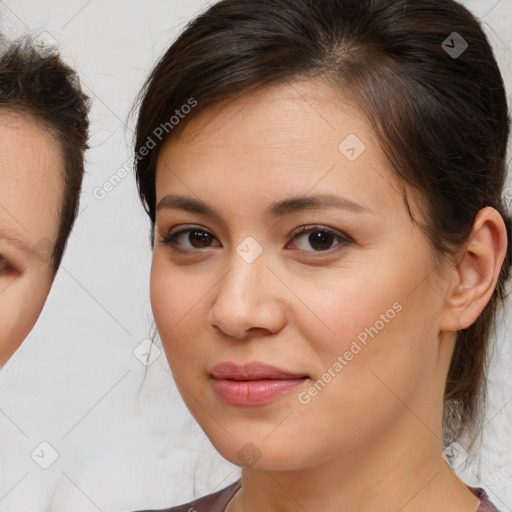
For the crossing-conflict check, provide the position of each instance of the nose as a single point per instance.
(248, 301)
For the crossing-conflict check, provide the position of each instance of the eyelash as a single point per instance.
(343, 239)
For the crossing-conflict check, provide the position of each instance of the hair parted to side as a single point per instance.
(39, 84)
(443, 122)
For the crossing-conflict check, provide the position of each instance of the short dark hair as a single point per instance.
(36, 82)
(442, 119)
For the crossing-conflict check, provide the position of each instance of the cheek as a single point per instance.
(383, 301)
(382, 330)
(178, 304)
(169, 297)
(384, 349)
(349, 310)
(21, 303)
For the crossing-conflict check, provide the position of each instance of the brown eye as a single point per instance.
(189, 239)
(321, 240)
(318, 238)
(202, 238)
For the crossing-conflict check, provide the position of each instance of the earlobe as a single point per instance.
(477, 271)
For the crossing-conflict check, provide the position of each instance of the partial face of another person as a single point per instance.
(31, 170)
(292, 326)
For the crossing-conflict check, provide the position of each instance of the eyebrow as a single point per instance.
(276, 209)
(14, 239)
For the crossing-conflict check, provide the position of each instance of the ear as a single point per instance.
(475, 275)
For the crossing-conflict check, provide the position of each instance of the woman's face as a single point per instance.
(294, 347)
(31, 167)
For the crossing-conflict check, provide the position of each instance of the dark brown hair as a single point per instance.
(441, 118)
(38, 83)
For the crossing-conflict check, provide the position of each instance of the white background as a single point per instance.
(124, 440)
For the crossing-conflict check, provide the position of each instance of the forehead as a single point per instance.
(293, 112)
(31, 178)
(286, 139)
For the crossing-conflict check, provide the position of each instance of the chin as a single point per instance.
(258, 451)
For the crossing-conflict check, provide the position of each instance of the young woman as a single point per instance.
(324, 181)
(43, 136)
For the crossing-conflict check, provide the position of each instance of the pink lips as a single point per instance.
(252, 384)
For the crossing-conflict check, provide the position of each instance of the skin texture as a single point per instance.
(371, 438)
(31, 167)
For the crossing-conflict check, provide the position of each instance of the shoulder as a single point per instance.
(215, 502)
(485, 504)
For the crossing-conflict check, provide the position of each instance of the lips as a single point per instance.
(253, 383)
